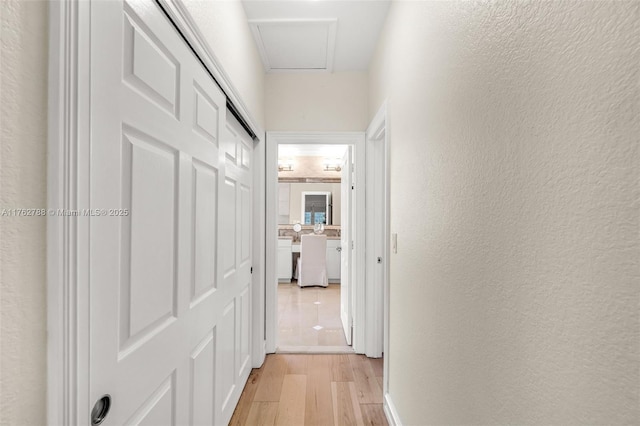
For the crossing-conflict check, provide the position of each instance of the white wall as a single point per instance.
(23, 127)
(329, 102)
(516, 198)
(224, 25)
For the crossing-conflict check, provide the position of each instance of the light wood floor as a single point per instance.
(301, 389)
(310, 317)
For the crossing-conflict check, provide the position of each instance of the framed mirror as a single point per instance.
(315, 207)
(291, 207)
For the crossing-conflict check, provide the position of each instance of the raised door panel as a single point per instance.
(148, 65)
(205, 230)
(226, 357)
(202, 377)
(148, 235)
(229, 231)
(243, 302)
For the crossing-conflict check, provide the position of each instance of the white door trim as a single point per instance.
(67, 172)
(378, 132)
(356, 139)
(67, 236)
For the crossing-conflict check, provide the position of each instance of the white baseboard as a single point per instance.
(390, 411)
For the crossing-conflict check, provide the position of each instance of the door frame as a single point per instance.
(68, 337)
(378, 133)
(356, 139)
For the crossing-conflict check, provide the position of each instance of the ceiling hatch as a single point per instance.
(296, 45)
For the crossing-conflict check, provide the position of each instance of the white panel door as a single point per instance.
(346, 192)
(169, 259)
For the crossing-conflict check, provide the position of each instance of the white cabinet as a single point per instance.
(333, 260)
(284, 260)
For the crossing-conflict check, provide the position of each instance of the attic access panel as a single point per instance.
(295, 45)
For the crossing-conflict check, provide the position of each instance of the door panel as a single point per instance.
(170, 267)
(346, 244)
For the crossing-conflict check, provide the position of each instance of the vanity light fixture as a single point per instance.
(285, 165)
(332, 165)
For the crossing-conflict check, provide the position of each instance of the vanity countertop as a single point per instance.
(298, 242)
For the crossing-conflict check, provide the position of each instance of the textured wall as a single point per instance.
(23, 130)
(515, 291)
(330, 102)
(224, 25)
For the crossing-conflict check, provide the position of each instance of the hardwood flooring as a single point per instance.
(310, 317)
(305, 389)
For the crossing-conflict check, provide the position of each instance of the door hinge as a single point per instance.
(251, 270)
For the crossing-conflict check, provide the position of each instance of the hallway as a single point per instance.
(305, 389)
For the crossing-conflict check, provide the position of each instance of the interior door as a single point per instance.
(346, 192)
(170, 235)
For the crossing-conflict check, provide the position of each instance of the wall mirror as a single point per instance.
(315, 207)
(291, 203)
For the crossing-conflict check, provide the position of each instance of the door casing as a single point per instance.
(357, 140)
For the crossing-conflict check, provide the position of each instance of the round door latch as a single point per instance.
(100, 410)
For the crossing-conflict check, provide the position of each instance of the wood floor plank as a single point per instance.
(270, 385)
(319, 404)
(291, 407)
(369, 390)
(344, 403)
(262, 414)
(241, 412)
(273, 395)
(381, 383)
(377, 364)
(373, 415)
(357, 413)
(296, 363)
(341, 370)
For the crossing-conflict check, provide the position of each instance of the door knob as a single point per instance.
(339, 248)
(100, 410)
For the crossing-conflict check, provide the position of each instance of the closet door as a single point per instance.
(169, 258)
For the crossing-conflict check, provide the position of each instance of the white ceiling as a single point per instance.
(318, 35)
(308, 150)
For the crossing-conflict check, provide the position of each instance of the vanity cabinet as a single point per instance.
(285, 265)
(333, 260)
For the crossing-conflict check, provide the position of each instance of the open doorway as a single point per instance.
(314, 193)
(312, 190)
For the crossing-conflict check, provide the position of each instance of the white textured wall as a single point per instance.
(515, 193)
(23, 130)
(329, 102)
(224, 25)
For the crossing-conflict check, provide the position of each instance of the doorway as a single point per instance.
(315, 318)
